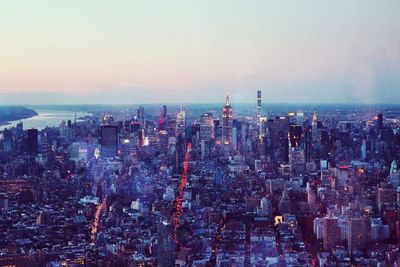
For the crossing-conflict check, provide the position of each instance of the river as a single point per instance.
(51, 118)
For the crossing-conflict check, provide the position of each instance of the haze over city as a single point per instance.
(199, 133)
(113, 52)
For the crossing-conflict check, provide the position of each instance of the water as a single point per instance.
(47, 117)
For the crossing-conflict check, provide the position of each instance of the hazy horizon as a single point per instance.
(121, 52)
(37, 100)
(111, 98)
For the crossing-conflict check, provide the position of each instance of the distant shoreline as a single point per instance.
(8, 114)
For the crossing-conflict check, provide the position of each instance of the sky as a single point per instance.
(110, 52)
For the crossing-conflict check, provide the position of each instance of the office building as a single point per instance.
(140, 117)
(356, 234)
(379, 121)
(331, 233)
(8, 142)
(165, 244)
(109, 141)
(207, 127)
(227, 123)
(32, 141)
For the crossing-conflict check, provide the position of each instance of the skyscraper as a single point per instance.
(285, 205)
(180, 122)
(8, 140)
(109, 141)
(164, 112)
(206, 133)
(206, 126)
(331, 233)
(314, 126)
(163, 118)
(379, 121)
(258, 107)
(295, 136)
(308, 143)
(163, 141)
(140, 116)
(356, 233)
(227, 123)
(262, 127)
(165, 244)
(32, 141)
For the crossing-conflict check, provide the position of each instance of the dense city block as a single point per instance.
(204, 185)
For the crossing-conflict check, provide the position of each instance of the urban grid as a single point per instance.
(209, 186)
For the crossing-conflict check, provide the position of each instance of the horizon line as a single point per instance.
(195, 103)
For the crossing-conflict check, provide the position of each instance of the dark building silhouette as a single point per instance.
(8, 140)
(140, 116)
(109, 141)
(164, 111)
(331, 233)
(308, 143)
(165, 245)
(379, 121)
(296, 132)
(32, 141)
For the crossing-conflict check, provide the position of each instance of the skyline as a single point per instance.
(199, 133)
(95, 52)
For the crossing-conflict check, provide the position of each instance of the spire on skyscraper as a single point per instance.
(227, 100)
(314, 118)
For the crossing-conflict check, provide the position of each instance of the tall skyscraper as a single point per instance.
(206, 133)
(227, 123)
(109, 141)
(140, 116)
(258, 107)
(285, 204)
(163, 141)
(8, 140)
(356, 234)
(69, 132)
(180, 122)
(207, 127)
(165, 245)
(279, 128)
(164, 112)
(32, 141)
(311, 198)
(308, 143)
(163, 118)
(314, 126)
(295, 136)
(331, 233)
(379, 121)
(262, 127)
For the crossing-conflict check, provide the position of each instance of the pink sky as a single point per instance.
(185, 47)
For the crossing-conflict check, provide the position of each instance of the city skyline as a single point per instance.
(199, 133)
(96, 52)
(315, 188)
